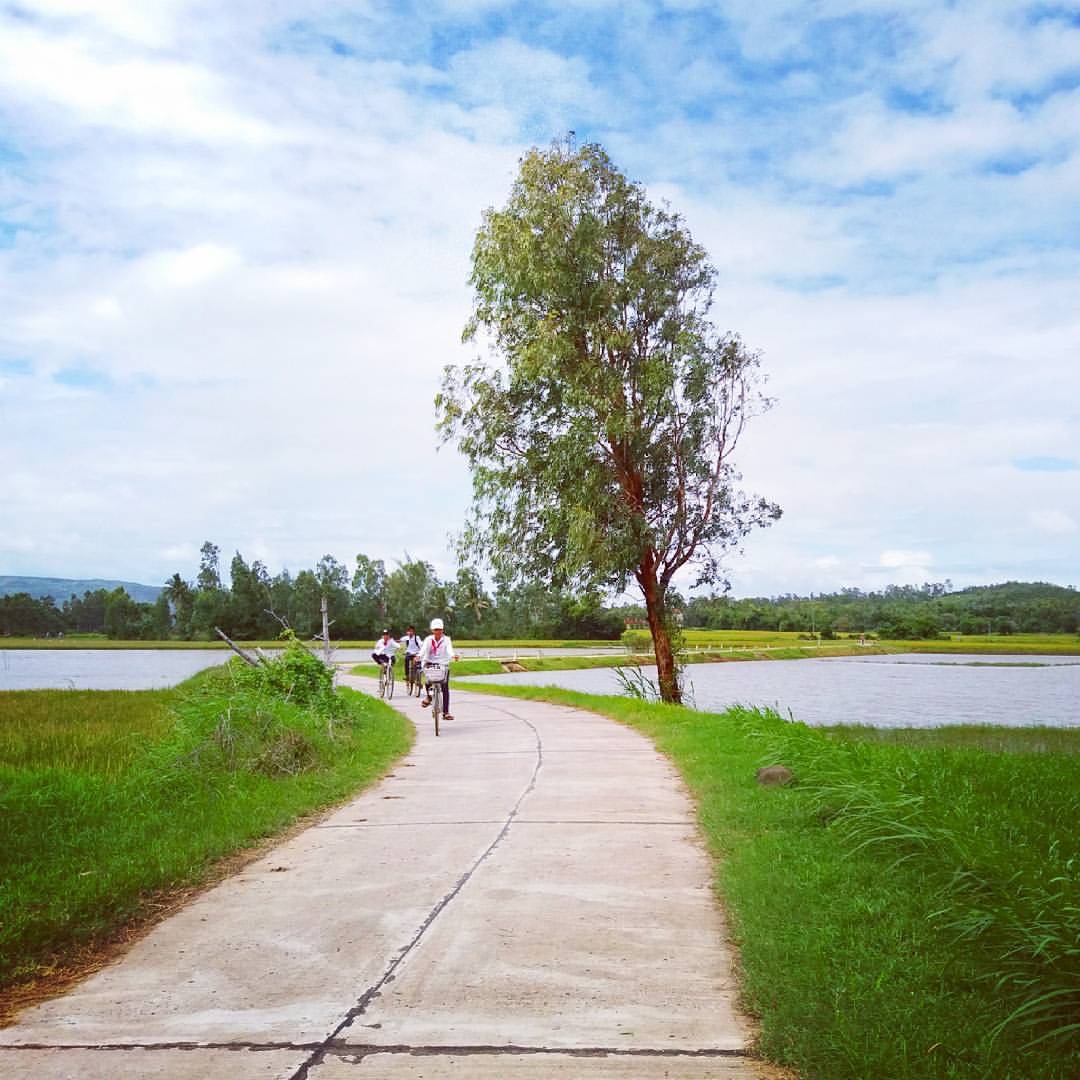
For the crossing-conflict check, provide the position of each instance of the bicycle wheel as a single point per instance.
(382, 680)
(389, 681)
(436, 704)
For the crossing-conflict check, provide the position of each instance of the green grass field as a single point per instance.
(91, 731)
(108, 797)
(910, 907)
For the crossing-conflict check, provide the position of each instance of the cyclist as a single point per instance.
(412, 645)
(385, 648)
(437, 646)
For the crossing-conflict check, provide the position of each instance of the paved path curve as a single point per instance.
(524, 896)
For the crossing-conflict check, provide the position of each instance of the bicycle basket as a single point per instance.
(435, 672)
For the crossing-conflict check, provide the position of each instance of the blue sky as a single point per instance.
(234, 247)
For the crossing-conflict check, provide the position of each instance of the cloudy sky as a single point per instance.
(234, 249)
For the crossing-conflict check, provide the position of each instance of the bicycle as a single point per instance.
(414, 682)
(386, 679)
(435, 674)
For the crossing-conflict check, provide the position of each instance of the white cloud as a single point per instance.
(893, 560)
(534, 86)
(1053, 522)
(147, 24)
(195, 265)
(148, 95)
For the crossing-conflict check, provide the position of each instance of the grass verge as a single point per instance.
(903, 910)
(129, 794)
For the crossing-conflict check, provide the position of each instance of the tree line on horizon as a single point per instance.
(256, 606)
(361, 600)
(900, 612)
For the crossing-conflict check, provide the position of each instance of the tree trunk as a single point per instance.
(666, 675)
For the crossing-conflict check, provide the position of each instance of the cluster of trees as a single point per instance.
(254, 606)
(362, 600)
(900, 612)
(102, 611)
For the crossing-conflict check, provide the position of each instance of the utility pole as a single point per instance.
(325, 608)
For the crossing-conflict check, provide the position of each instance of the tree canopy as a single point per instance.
(601, 448)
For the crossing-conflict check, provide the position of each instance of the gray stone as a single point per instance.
(775, 776)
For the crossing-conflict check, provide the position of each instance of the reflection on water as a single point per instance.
(913, 690)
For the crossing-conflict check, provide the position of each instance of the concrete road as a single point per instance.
(525, 896)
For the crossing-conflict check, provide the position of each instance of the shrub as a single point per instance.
(637, 642)
(276, 719)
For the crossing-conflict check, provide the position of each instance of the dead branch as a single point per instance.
(246, 657)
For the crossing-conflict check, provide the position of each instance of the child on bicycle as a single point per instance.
(439, 648)
(412, 645)
(385, 648)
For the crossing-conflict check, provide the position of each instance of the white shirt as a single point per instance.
(387, 647)
(412, 645)
(441, 651)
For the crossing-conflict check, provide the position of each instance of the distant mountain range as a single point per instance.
(60, 589)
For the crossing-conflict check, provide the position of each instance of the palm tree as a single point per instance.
(182, 598)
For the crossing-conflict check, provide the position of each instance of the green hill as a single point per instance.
(62, 588)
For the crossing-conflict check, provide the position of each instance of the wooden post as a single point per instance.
(325, 607)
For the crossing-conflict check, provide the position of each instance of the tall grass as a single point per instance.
(995, 838)
(1027, 740)
(155, 786)
(97, 731)
(901, 910)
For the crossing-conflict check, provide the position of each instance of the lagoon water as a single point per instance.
(102, 669)
(912, 690)
(114, 669)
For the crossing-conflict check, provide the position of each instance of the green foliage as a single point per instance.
(412, 590)
(634, 683)
(610, 432)
(299, 676)
(1003, 885)
(601, 452)
(900, 612)
(1000, 616)
(636, 641)
(279, 717)
(20, 613)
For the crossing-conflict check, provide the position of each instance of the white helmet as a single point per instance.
(436, 624)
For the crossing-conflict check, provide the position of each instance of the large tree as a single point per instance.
(601, 448)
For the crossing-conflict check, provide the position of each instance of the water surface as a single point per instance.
(908, 690)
